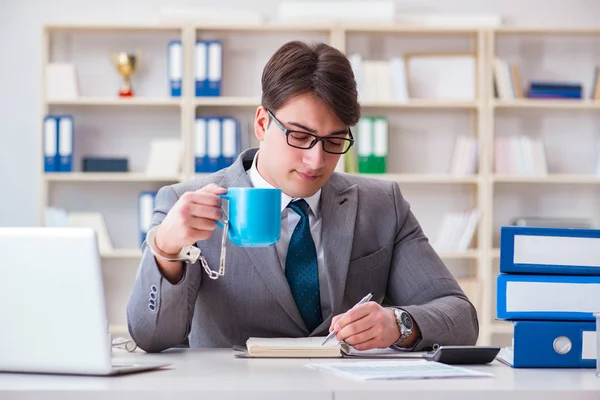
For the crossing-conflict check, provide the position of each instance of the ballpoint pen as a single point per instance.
(333, 332)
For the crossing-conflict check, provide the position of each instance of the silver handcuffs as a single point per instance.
(189, 254)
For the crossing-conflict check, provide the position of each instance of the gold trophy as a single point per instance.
(126, 64)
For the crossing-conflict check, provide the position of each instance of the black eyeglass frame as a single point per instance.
(316, 139)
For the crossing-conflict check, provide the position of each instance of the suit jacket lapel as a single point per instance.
(265, 259)
(338, 211)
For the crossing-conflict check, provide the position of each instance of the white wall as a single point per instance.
(20, 33)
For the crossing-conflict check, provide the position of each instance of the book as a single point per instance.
(503, 79)
(555, 90)
(310, 347)
(595, 92)
(516, 81)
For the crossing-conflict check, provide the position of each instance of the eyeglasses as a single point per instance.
(306, 140)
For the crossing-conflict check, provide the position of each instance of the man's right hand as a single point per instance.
(191, 219)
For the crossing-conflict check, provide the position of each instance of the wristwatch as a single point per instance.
(405, 324)
(187, 254)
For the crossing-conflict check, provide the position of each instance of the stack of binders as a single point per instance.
(372, 145)
(217, 142)
(208, 67)
(58, 143)
(549, 286)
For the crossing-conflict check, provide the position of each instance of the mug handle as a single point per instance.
(226, 197)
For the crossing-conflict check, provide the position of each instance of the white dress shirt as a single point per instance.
(289, 220)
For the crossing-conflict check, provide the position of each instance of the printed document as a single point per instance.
(404, 369)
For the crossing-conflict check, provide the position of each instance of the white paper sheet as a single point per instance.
(405, 369)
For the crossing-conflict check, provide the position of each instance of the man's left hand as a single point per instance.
(367, 326)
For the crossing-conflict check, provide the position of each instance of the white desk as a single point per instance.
(217, 374)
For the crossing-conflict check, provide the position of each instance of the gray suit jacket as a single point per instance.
(372, 243)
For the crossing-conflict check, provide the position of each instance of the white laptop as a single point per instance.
(52, 308)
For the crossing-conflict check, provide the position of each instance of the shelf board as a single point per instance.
(232, 101)
(406, 29)
(502, 327)
(425, 178)
(459, 255)
(266, 27)
(290, 26)
(106, 177)
(549, 104)
(547, 31)
(550, 178)
(422, 104)
(303, 26)
(122, 253)
(112, 27)
(117, 102)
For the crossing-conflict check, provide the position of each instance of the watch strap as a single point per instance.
(404, 333)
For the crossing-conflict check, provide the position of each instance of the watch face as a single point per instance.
(406, 320)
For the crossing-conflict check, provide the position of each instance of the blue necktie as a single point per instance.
(301, 268)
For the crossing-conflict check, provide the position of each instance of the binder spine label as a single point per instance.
(175, 68)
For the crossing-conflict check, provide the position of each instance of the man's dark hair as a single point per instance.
(298, 68)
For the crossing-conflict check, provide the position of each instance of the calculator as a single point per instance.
(463, 354)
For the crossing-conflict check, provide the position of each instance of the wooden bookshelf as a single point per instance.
(495, 253)
(227, 101)
(422, 104)
(547, 31)
(117, 102)
(502, 327)
(549, 104)
(176, 115)
(579, 179)
(106, 177)
(425, 178)
(460, 255)
(539, 118)
(411, 104)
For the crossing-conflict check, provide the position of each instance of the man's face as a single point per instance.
(297, 172)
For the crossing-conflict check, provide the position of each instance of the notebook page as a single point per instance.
(290, 343)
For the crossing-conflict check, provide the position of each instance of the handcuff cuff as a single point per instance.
(189, 254)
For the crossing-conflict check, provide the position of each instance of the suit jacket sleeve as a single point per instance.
(159, 314)
(421, 284)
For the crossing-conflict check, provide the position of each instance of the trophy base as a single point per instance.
(128, 93)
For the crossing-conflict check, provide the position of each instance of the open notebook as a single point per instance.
(310, 347)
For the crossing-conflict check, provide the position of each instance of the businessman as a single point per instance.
(342, 236)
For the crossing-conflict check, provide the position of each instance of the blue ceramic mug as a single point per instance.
(254, 216)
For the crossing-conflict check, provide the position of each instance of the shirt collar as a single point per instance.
(259, 182)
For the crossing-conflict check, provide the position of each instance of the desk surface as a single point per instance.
(195, 374)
